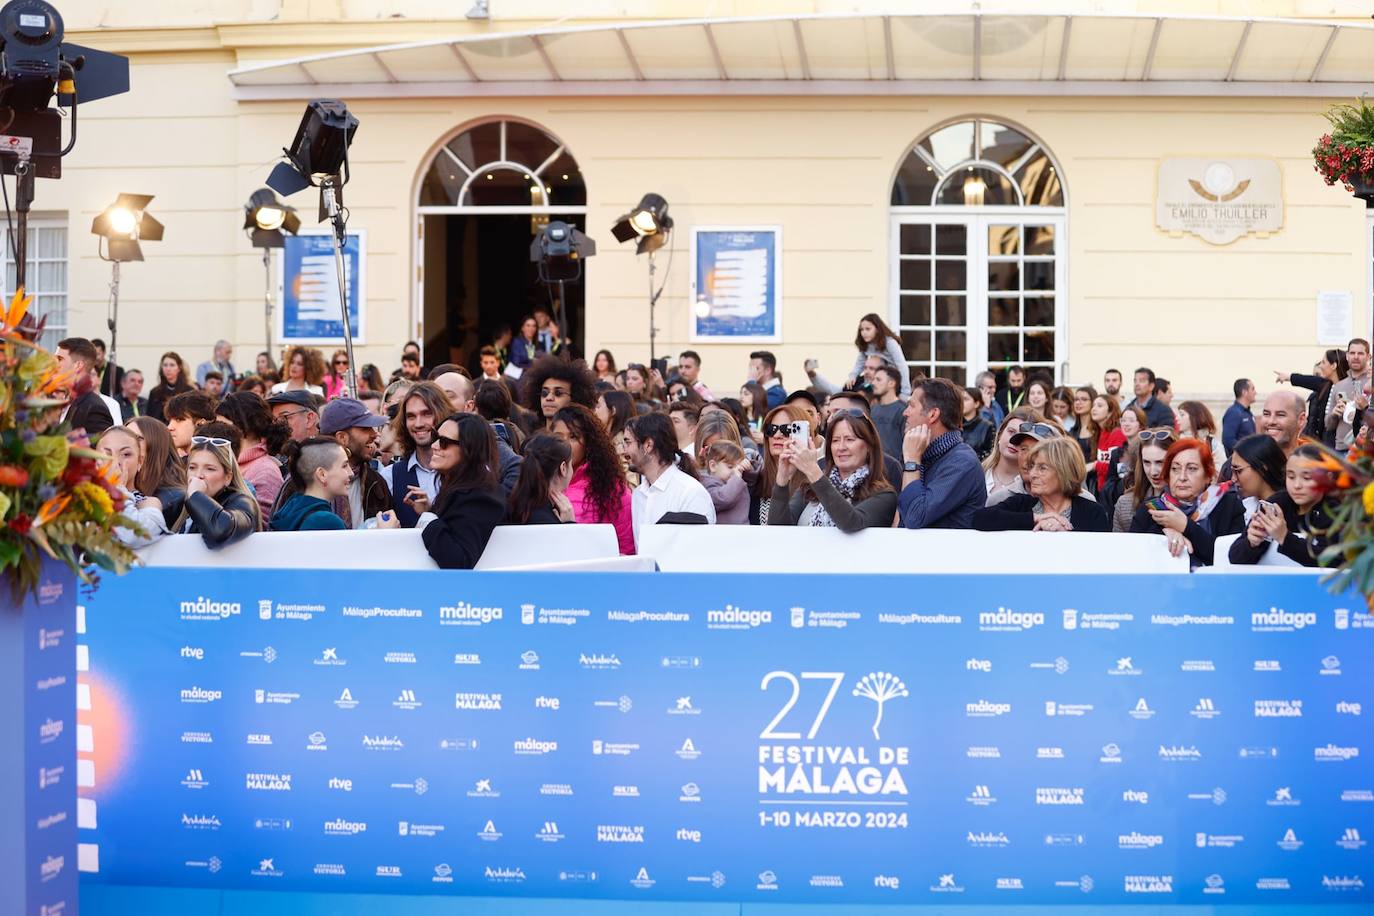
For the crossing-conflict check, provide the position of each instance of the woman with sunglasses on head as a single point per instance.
(1002, 466)
(218, 505)
(597, 490)
(851, 495)
(1052, 501)
(1144, 459)
(1192, 512)
(778, 427)
(471, 502)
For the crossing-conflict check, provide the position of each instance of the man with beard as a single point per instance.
(425, 406)
(1111, 383)
(553, 383)
(354, 427)
(1285, 413)
(1349, 390)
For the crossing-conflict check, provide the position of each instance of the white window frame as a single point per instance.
(977, 219)
(52, 331)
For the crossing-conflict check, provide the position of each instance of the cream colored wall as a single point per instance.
(819, 167)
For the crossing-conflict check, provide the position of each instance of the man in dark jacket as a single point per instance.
(76, 357)
(1157, 413)
(942, 481)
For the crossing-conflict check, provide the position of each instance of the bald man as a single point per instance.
(458, 388)
(1285, 414)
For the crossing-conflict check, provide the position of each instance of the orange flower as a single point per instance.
(53, 508)
(18, 308)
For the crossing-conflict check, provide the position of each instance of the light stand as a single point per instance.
(559, 249)
(318, 155)
(650, 224)
(330, 205)
(267, 221)
(120, 227)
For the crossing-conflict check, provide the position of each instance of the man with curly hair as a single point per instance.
(553, 383)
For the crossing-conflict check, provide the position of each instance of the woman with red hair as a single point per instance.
(1192, 512)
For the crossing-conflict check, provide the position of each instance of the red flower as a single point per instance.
(21, 524)
(11, 475)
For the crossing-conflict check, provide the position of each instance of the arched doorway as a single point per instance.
(485, 193)
(978, 252)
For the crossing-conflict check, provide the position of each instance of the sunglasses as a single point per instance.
(210, 440)
(341, 362)
(445, 442)
(554, 392)
(780, 429)
(1039, 430)
(1150, 435)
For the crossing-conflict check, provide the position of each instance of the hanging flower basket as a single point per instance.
(1346, 154)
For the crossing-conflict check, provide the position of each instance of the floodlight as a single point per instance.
(124, 224)
(649, 221)
(319, 151)
(267, 220)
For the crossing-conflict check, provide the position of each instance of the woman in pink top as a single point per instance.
(598, 491)
(334, 379)
(250, 413)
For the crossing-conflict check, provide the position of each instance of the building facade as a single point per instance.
(1010, 187)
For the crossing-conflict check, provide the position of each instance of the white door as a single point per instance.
(973, 291)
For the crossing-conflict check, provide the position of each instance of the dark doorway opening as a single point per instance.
(478, 277)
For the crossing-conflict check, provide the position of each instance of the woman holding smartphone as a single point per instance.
(1259, 468)
(1295, 519)
(1192, 512)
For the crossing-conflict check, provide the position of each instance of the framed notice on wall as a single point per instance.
(308, 310)
(736, 284)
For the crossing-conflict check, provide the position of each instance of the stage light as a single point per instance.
(559, 250)
(319, 151)
(318, 155)
(123, 225)
(267, 220)
(120, 227)
(649, 221)
(651, 224)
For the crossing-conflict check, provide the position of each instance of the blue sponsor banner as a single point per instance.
(806, 739)
(39, 770)
(309, 288)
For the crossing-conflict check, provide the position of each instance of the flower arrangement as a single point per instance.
(1347, 483)
(57, 496)
(1346, 154)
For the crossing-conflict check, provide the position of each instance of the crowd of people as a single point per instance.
(536, 436)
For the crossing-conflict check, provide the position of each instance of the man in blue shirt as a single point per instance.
(942, 480)
(1238, 422)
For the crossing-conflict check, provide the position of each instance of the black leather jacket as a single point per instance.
(231, 519)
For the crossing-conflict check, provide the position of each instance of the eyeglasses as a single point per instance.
(1039, 430)
(445, 442)
(780, 429)
(554, 392)
(341, 362)
(1150, 435)
(210, 440)
(288, 414)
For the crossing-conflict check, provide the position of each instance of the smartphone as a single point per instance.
(661, 364)
(1162, 502)
(801, 433)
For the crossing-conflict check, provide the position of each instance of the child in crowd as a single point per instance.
(725, 465)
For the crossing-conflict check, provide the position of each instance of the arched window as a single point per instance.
(503, 164)
(978, 237)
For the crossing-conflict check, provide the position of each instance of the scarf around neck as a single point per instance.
(940, 447)
(845, 487)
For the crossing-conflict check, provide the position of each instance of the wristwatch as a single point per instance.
(913, 467)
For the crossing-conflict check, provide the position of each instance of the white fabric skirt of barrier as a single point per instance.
(1271, 562)
(522, 546)
(737, 548)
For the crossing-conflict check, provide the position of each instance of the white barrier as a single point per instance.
(738, 548)
(521, 546)
(1271, 562)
